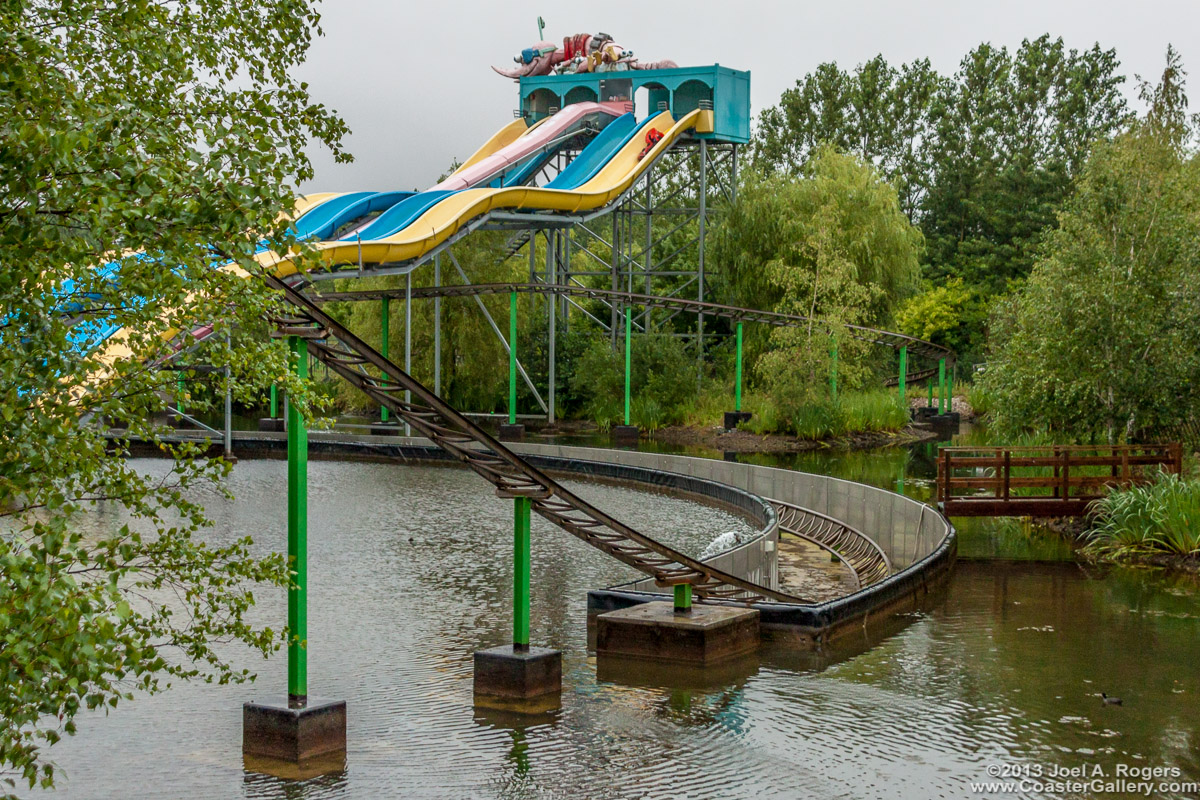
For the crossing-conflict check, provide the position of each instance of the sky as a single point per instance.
(413, 79)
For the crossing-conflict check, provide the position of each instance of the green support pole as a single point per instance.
(384, 319)
(628, 339)
(512, 358)
(683, 597)
(297, 435)
(274, 402)
(833, 373)
(941, 386)
(737, 387)
(903, 372)
(521, 548)
(180, 387)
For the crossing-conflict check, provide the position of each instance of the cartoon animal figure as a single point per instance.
(583, 52)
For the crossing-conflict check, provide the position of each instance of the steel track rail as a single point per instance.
(866, 558)
(350, 357)
(735, 313)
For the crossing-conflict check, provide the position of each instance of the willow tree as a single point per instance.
(142, 145)
(831, 244)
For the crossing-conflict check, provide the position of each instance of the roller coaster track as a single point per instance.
(350, 357)
(916, 347)
(866, 558)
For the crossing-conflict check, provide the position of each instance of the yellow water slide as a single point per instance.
(500, 139)
(447, 217)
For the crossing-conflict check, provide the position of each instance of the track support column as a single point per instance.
(297, 433)
(950, 391)
(737, 416)
(228, 380)
(516, 677)
(384, 325)
(553, 243)
(521, 568)
(627, 433)
(683, 598)
(512, 431)
(408, 341)
(903, 373)
(941, 386)
(737, 385)
(437, 327)
(303, 730)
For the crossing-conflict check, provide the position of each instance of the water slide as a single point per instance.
(533, 147)
(415, 226)
(321, 216)
(565, 124)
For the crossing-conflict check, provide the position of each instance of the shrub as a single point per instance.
(663, 375)
(1163, 516)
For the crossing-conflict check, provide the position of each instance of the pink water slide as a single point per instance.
(566, 122)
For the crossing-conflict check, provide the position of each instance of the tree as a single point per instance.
(143, 144)
(832, 245)
(950, 314)
(1101, 340)
(877, 112)
(982, 160)
(1010, 133)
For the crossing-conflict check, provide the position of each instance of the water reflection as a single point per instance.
(1005, 667)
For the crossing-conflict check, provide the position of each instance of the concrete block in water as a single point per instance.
(512, 433)
(707, 634)
(626, 434)
(274, 729)
(506, 673)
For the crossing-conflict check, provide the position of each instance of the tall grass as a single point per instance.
(981, 401)
(853, 412)
(1163, 516)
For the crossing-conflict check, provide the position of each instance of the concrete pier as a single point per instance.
(704, 635)
(511, 432)
(735, 418)
(626, 434)
(518, 679)
(273, 729)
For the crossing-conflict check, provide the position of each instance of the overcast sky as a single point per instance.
(412, 79)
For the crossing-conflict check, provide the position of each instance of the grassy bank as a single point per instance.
(853, 412)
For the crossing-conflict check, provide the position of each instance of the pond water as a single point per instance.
(410, 573)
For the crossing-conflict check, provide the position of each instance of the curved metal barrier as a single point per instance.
(883, 338)
(868, 561)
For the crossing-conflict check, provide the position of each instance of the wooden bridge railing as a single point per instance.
(1051, 481)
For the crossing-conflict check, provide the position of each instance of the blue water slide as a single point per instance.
(399, 216)
(322, 221)
(318, 223)
(598, 152)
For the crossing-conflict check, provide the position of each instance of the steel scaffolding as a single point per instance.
(650, 241)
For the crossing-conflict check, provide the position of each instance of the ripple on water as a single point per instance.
(410, 571)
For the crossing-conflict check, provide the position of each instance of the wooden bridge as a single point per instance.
(1051, 481)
